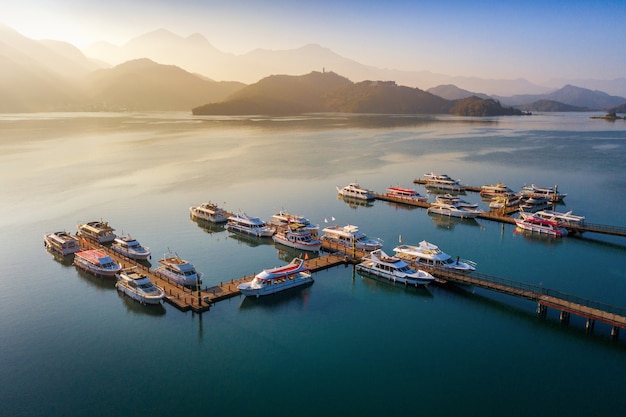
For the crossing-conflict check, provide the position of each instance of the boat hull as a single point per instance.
(249, 290)
(421, 279)
(140, 256)
(92, 269)
(461, 214)
(143, 298)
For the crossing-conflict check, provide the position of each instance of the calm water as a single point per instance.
(71, 346)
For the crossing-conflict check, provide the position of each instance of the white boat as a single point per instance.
(504, 201)
(284, 218)
(429, 254)
(138, 286)
(451, 210)
(297, 237)
(499, 189)
(178, 270)
(351, 237)
(551, 194)
(533, 204)
(406, 194)
(354, 190)
(539, 225)
(441, 182)
(567, 218)
(130, 247)
(209, 212)
(278, 279)
(394, 269)
(455, 200)
(254, 226)
(61, 242)
(98, 231)
(97, 262)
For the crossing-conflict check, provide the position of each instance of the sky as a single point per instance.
(535, 40)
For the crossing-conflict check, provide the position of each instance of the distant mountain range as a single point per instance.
(163, 71)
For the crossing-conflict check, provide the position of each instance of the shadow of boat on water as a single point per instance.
(250, 240)
(135, 307)
(381, 284)
(65, 260)
(207, 226)
(355, 203)
(101, 282)
(287, 253)
(449, 222)
(298, 296)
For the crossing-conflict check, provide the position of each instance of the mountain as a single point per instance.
(452, 92)
(550, 106)
(616, 86)
(143, 84)
(329, 92)
(570, 95)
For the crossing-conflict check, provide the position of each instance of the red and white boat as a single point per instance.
(96, 262)
(298, 237)
(538, 225)
(278, 279)
(405, 193)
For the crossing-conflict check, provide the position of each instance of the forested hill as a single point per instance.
(319, 92)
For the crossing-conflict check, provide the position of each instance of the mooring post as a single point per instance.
(614, 332)
(589, 325)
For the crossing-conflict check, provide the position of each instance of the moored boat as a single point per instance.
(61, 242)
(441, 182)
(254, 226)
(298, 237)
(552, 194)
(351, 237)
(455, 200)
(138, 286)
(566, 219)
(409, 194)
(429, 254)
(271, 281)
(99, 231)
(538, 225)
(178, 270)
(505, 201)
(209, 212)
(394, 269)
(499, 189)
(130, 247)
(354, 190)
(533, 204)
(284, 218)
(96, 262)
(451, 210)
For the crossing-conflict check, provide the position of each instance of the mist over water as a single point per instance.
(71, 345)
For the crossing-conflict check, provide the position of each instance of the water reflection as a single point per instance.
(381, 284)
(249, 240)
(449, 223)
(135, 307)
(65, 260)
(538, 237)
(355, 203)
(208, 227)
(98, 281)
(287, 254)
(298, 296)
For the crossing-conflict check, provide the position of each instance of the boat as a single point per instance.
(130, 247)
(98, 231)
(176, 269)
(533, 204)
(271, 281)
(96, 262)
(351, 237)
(565, 219)
(254, 226)
(429, 254)
(503, 201)
(394, 269)
(406, 194)
(499, 189)
(534, 224)
(138, 286)
(453, 211)
(455, 200)
(61, 242)
(354, 190)
(552, 194)
(284, 218)
(441, 182)
(298, 237)
(209, 212)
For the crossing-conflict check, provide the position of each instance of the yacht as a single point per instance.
(96, 262)
(284, 218)
(406, 194)
(138, 286)
(298, 237)
(61, 242)
(455, 200)
(566, 219)
(428, 254)
(503, 201)
(453, 211)
(209, 212)
(354, 190)
(254, 226)
(394, 269)
(130, 247)
(552, 194)
(533, 204)
(539, 225)
(176, 269)
(270, 281)
(98, 231)
(491, 191)
(351, 237)
(441, 182)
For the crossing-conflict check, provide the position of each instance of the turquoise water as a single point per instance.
(347, 345)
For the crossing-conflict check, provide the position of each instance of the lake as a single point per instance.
(347, 345)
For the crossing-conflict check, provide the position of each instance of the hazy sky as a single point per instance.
(536, 40)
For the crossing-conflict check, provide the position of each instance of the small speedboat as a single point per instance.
(429, 254)
(130, 247)
(138, 286)
(451, 210)
(393, 269)
(254, 226)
